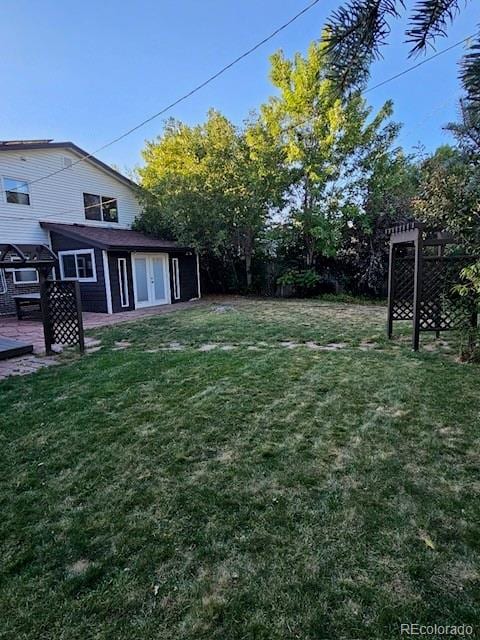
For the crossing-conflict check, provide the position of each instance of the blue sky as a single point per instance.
(87, 71)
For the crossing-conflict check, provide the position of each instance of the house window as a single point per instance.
(24, 276)
(78, 265)
(100, 208)
(16, 191)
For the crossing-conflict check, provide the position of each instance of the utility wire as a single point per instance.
(285, 130)
(187, 95)
(394, 77)
(419, 64)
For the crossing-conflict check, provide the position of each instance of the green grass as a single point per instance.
(266, 493)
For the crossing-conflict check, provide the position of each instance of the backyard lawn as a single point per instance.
(255, 470)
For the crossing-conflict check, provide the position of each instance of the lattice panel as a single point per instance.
(403, 282)
(441, 308)
(62, 312)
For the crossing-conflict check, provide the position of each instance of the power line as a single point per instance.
(285, 130)
(394, 77)
(187, 95)
(419, 64)
(417, 126)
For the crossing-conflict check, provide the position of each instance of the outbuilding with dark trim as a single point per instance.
(121, 269)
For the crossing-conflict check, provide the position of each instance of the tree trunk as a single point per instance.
(309, 251)
(248, 269)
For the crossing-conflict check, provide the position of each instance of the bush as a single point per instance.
(303, 282)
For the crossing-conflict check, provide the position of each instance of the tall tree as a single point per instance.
(449, 195)
(211, 186)
(467, 130)
(325, 140)
(389, 191)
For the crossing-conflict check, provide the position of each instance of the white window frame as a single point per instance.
(75, 252)
(176, 278)
(19, 283)
(123, 280)
(4, 191)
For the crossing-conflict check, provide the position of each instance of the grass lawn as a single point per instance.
(265, 490)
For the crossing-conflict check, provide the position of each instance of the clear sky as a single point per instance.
(87, 71)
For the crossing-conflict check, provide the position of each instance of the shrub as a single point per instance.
(304, 282)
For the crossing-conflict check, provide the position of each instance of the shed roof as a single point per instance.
(113, 239)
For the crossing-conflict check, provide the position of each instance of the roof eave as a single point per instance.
(51, 226)
(79, 152)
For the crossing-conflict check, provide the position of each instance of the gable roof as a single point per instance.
(113, 239)
(26, 145)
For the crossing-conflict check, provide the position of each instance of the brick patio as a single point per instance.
(31, 332)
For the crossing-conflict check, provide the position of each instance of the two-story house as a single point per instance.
(84, 212)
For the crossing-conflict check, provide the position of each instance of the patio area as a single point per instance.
(30, 332)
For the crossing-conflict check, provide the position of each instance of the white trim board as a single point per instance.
(106, 276)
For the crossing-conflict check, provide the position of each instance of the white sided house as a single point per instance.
(84, 212)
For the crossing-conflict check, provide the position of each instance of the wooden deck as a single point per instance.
(12, 348)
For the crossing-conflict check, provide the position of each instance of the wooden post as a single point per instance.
(440, 254)
(391, 292)
(47, 329)
(417, 289)
(78, 302)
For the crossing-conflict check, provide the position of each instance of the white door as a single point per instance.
(150, 278)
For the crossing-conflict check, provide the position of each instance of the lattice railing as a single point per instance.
(403, 282)
(62, 313)
(441, 307)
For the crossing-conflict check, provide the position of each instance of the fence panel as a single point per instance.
(62, 314)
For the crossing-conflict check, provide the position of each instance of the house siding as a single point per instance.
(58, 198)
(92, 293)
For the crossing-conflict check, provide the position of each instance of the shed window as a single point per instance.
(16, 191)
(78, 265)
(100, 207)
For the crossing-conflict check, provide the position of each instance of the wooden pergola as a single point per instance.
(28, 256)
(60, 301)
(421, 280)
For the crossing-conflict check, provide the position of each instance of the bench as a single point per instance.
(25, 301)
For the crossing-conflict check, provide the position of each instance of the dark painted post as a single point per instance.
(438, 319)
(78, 302)
(47, 329)
(417, 291)
(391, 293)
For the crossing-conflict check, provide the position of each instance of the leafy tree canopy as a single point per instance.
(211, 186)
(327, 143)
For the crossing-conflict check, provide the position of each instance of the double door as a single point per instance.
(151, 280)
